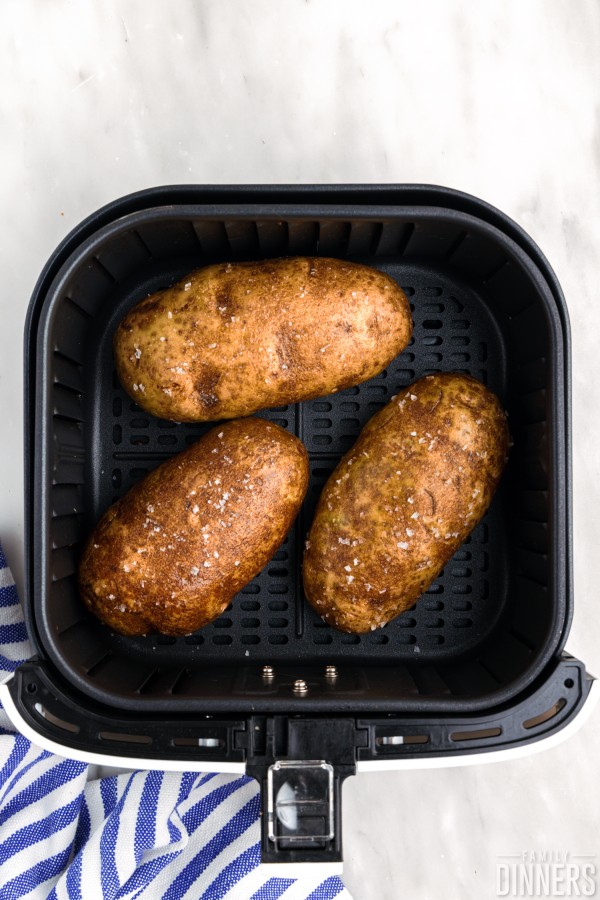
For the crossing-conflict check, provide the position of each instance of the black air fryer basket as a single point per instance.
(476, 667)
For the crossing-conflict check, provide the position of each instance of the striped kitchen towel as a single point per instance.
(145, 835)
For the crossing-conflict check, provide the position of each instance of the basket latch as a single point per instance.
(301, 764)
(301, 804)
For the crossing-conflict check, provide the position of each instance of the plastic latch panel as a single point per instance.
(300, 803)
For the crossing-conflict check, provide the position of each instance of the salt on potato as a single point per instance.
(408, 504)
(231, 339)
(170, 555)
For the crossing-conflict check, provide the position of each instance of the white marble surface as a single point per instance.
(501, 99)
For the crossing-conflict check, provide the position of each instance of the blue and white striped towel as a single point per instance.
(146, 835)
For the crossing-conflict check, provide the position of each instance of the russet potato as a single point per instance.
(171, 554)
(397, 507)
(234, 338)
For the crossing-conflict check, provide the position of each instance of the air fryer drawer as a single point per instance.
(483, 302)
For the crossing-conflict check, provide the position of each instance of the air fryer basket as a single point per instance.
(488, 624)
(483, 641)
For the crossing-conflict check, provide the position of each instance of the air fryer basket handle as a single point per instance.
(301, 764)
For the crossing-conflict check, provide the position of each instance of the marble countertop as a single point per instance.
(500, 100)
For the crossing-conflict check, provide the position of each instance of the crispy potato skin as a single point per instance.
(171, 553)
(397, 507)
(231, 339)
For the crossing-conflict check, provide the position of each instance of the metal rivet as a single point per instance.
(268, 672)
(300, 686)
(331, 672)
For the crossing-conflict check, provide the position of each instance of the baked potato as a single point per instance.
(397, 507)
(234, 338)
(170, 554)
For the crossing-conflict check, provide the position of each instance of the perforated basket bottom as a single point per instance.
(270, 619)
